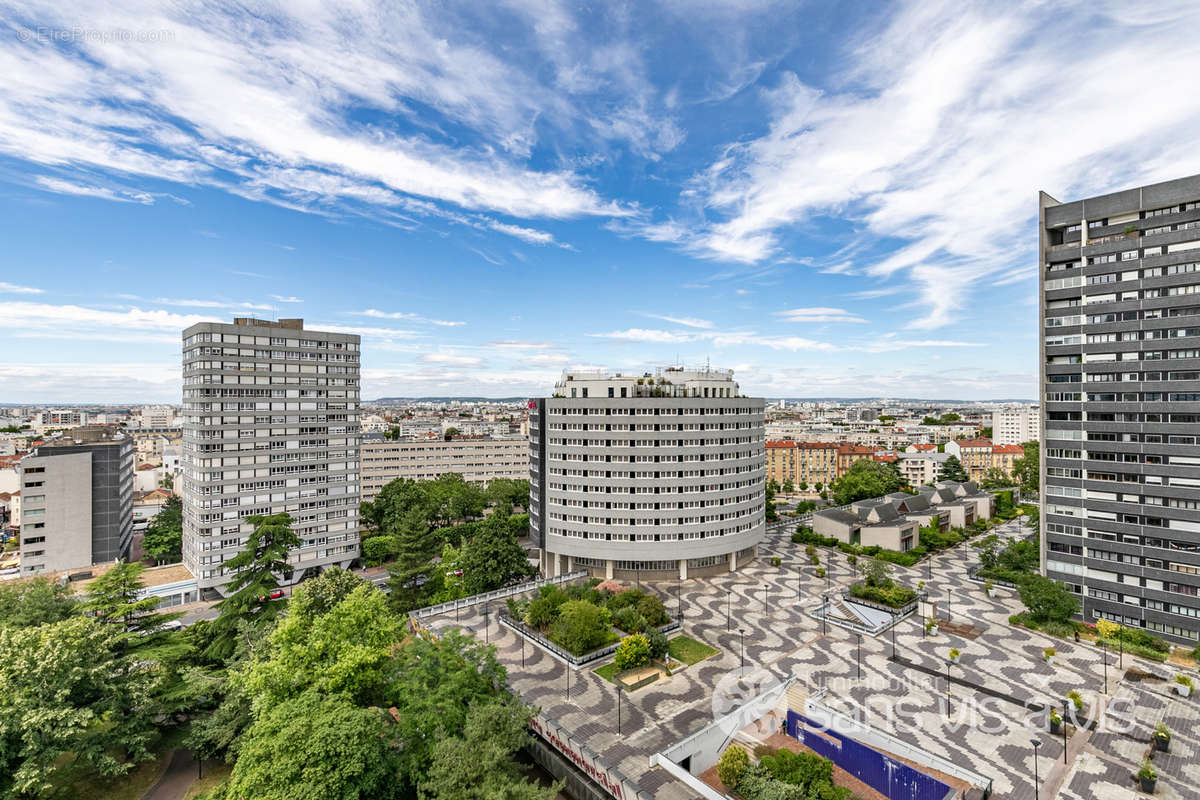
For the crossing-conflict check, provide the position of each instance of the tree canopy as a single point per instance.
(164, 534)
(866, 478)
(1026, 469)
(952, 470)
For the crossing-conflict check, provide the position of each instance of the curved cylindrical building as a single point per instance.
(657, 475)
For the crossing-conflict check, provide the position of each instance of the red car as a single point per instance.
(274, 595)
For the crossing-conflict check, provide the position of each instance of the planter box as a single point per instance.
(1162, 743)
(1148, 784)
(933, 631)
(1055, 727)
(1049, 659)
(1183, 690)
(992, 592)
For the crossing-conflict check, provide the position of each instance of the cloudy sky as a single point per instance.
(833, 199)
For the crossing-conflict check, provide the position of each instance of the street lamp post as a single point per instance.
(828, 568)
(679, 598)
(1121, 645)
(860, 656)
(893, 636)
(947, 688)
(487, 630)
(949, 596)
(728, 603)
(1104, 656)
(742, 634)
(766, 591)
(929, 567)
(1036, 744)
(619, 688)
(1064, 727)
(824, 614)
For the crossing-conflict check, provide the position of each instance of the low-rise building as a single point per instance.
(974, 454)
(892, 522)
(477, 460)
(923, 467)
(1005, 456)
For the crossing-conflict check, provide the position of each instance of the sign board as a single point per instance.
(584, 759)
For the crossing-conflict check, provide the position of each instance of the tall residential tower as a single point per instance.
(1120, 316)
(270, 425)
(657, 475)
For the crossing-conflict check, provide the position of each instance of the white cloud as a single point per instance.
(547, 359)
(453, 359)
(377, 314)
(646, 335)
(947, 119)
(44, 320)
(84, 382)
(12, 288)
(166, 301)
(518, 345)
(60, 186)
(281, 299)
(690, 322)
(819, 315)
(254, 100)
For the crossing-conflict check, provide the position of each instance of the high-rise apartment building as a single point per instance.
(657, 475)
(77, 501)
(270, 425)
(1120, 317)
(1016, 425)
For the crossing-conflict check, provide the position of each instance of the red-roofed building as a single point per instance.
(847, 454)
(974, 454)
(806, 464)
(1005, 456)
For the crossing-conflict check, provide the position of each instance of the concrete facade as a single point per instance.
(1016, 425)
(1120, 382)
(76, 501)
(477, 460)
(668, 479)
(270, 426)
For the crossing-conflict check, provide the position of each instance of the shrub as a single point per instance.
(1049, 652)
(814, 560)
(732, 766)
(954, 653)
(581, 626)
(820, 572)
(379, 549)
(1106, 629)
(1048, 599)
(541, 613)
(629, 620)
(761, 750)
(658, 644)
(776, 561)
(1055, 717)
(633, 651)
(893, 596)
(1076, 700)
(1147, 771)
(651, 607)
(1183, 680)
(852, 559)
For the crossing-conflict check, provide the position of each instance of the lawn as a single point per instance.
(608, 672)
(688, 650)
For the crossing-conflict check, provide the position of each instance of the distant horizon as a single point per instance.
(520, 398)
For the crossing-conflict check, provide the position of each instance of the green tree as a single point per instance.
(480, 765)
(1026, 469)
(511, 491)
(493, 557)
(116, 598)
(952, 470)
(633, 651)
(772, 488)
(450, 433)
(995, 478)
(380, 549)
(788, 486)
(67, 688)
(732, 765)
(254, 571)
(1047, 599)
(866, 478)
(581, 626)
(804, 486)
(163, 540)
(413, 568)
(315, 747)
(38, 601)
(988, 548)
(876, 572)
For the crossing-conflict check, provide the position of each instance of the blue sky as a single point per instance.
(832, 199)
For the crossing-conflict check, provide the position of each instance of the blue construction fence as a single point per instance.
(886, 775)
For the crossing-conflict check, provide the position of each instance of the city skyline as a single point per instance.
(489, 199)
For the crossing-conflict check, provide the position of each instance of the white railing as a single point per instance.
(496, 594)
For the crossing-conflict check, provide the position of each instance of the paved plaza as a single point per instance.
(762, 611)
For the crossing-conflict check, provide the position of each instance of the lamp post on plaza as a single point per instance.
(1036, 744)
(766, 591)
(828, 568)
(948, 688)
(619, 688)
(860, 656)
(487, 612)
(742, 634)
(728, 603)
(824, 614)
(949, 597)
(1064, 729)
(1104, 655)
